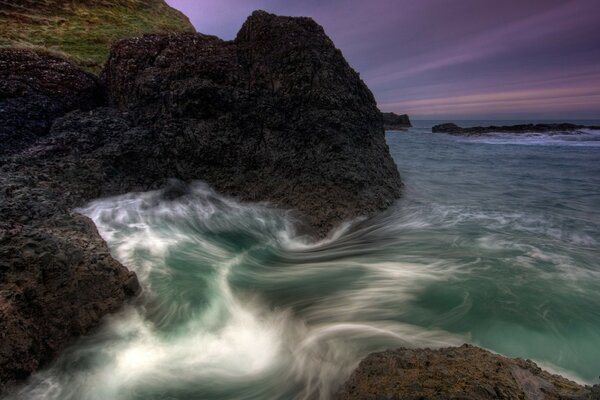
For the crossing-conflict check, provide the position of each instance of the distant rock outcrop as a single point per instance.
(454, 129)
(392, 121)
(466, 372)
(276, 115)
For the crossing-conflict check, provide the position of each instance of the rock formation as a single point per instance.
(454, 129)
(275, 115)
(393, 121)
(466, 372)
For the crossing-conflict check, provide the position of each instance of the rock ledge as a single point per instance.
(466, 372)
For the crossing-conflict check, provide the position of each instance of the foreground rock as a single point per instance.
(454, 129)
(393, 121)
(276, 115)
(466, 372)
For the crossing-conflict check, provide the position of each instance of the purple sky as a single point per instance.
(451, 59)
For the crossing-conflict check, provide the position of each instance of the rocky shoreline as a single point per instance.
(275, 115)
(561, 128)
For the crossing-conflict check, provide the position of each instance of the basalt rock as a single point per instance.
(275, 115)
(454, 129)
(35, 89)
(466, 372)
(393, 121)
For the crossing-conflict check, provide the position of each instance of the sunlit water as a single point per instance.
(495, 242)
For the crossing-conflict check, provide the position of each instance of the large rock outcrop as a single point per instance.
(276, 115)
(465, 372)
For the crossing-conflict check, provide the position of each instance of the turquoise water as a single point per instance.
(495, 242)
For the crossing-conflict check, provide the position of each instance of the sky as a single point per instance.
(451, 59)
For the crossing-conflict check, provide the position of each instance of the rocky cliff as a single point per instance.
(275, 115)
(84, 30)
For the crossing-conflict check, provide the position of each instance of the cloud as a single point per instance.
(408, 51)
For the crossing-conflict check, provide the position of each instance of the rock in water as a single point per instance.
(393, 121)
(561, 128)
(465, 372)
(275, 115)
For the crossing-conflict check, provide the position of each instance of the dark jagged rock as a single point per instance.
(35, 89)
(393, 121)
(57, 278)
(466, 372)
(275, 115)
(454, 129)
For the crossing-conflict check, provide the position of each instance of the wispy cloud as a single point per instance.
(460, 53)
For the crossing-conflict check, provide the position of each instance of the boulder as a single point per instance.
(465, 372)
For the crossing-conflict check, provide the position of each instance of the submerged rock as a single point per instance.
(276, 115)
(393, 121)
(466, 372)
(454, 129)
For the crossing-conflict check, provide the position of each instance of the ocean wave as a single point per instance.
(236, 304)
(583, 137)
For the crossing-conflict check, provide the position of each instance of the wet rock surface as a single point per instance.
(465, 372)
(57, 277)
(393, 121)
(276, 115)
(454, 129)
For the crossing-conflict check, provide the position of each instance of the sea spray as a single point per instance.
(493, 244)
(234, 305)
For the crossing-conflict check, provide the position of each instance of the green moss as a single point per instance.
(84, 31)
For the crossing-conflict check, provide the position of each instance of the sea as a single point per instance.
(495, 242)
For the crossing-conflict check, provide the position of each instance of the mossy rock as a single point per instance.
(84, 30)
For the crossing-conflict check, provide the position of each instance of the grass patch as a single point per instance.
(85, 31)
